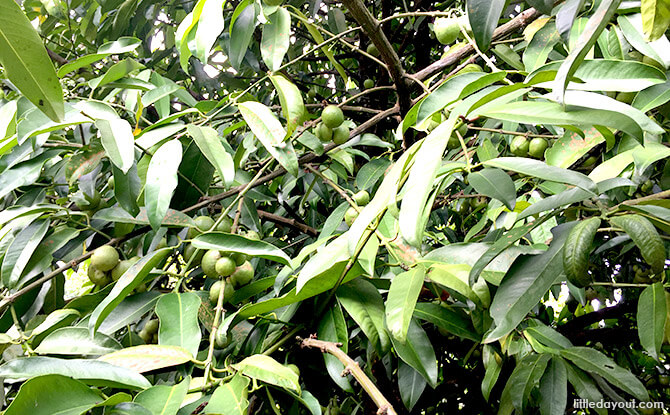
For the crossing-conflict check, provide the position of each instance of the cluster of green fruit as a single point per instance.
(106, 267)
(149, 332)
(522, 146)
(462, 206)
(332, 126)
(644, 275)
(361, 198)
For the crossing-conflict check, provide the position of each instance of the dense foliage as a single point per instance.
(468, 201)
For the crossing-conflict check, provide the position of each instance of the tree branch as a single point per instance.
(286, 221)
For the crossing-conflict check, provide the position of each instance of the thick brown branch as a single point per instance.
(287, 221)
(351, 367)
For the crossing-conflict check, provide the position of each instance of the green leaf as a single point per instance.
(178, 315)
(121, 45)
(540, 46)
(333, 328)
(55, 320)
(631, 27)
(269, 131)
(417, 351)
(207, 140)
(525, 284)
(148, 357)
(129, 311)
(597, 363)
(565, 17)
(275, 40)
(542, 170)
(158, 93)
(116, 72)
(496, 184)
(130, 280)
(545, 6)
(117, 139)
(241, 31)
(651, 312)
(655, 18)
(447, 318)
(164, 399)
(20, 250)
(230, 398)
(268, 370)
(184, 34)
(411, 384)
(24, 173)
(210, 26)
(127, 188)
(292, 104)
(493, 368)
(92, 372)
(370, 173)
(53, 394)
(554, 388)
(484, 16)
(600, 18)
(454, 277)
(584, 386)
(162, 181)
(26, 63)
(652, 97)
(524, 379)
(402, 297)
(116, 214)
(570, 148)
(236, 243)
(77, 341)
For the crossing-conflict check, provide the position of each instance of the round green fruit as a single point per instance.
(188, 253)
(537, 146)
(323, 133)
(208, 263)
(225, 266)
(202, 224)
(216, 288)
(446, 30)
(145, 336)
(121, 268)
(350, 216)
(151, 326)
(520, 146)
(453, 142)
(105, 258)
(222, 339)
(294, 368)
(361, 198)
(664, 380)
(242, 275)
(368, 83)
(253, 235)
(97, 276)
(239, 258)
(225, 225)
(332, 116)
(341, 135)
(372, 50)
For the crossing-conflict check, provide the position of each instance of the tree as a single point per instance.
(455, 206)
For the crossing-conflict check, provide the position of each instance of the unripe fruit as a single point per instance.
(242, 275)
(97, 276)
(222, 339)
(105, 258)
(110, 183)
(202, 224)
(332, 116)
(122, 267)
(341, 135)
(664, 380)
(446, 30)
(215, 289)
(323, 133)
(253, 235)
(239, 258)
(350, 216)
(453, 142)
(470, 67)
(520, 146)
(151, 326)
(372, 50)
(225, 225)
(145, 336)
(225, 266)
(122, 229)
(209, 261)
(361, 198)
(294, 368)
(537, 146)
(188, 253)
(368, 83)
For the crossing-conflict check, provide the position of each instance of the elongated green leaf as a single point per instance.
(454, 277)
(118, 141)
(269, 131)
(542, 170)
(164, 399)
(178, 315)
(570, 148)
(566, 17)
(148, 357)
(364, 304)
(129, 311)
(496, 184)
(26, 62)
(584, 386)
(587, 39)
(525, 284)
(652, 97)
(449, 319)
(210, 26)
(77, 341)
(411, 384)
(116, 214)
(24, 173)
(241, 31)
(333, 327)
(158, 93)
(417, 351)
(267, 369)
(554, 388)
(597, 363)
(116, 72)
(524, 379)
(655, 18)
(121, 45)
(207, 140)
(651, 312)
(53, 321)
(162, 181)
(53, 394)
(185, 34)
(402, 297)
(540, 46)
(21, 249)
(236, 243)
(92, 372)
(127, 188)
(484, 16)
(275, 40)
(292, 104)
(230, 398)
(125, 285)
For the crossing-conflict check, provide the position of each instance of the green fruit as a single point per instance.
(121, 269)
(460, 206)
(664, 380)
(208, 263)
(273, 2)
(453, 142)
(332, 116)
(110, 183)
(536, 147)
(446, 30)
(645, 236)
(122, 229)
(253, 235)
(323, 133)
(294, 368)
(478, 202)
(202, 224)
(242, 275)
(105, 258)
(151, 326)
(372, 50)
(368, 83)
(146, 337)
(188, 253)
(215, 289)
(341, 135)
(520, 146)
(577, 250)
(225, 225)
(225, 266)
(239, 258)
(222, 339)
(470, 67)
(154, 338)
(361, 198)
(350, 216)
(97, 276)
